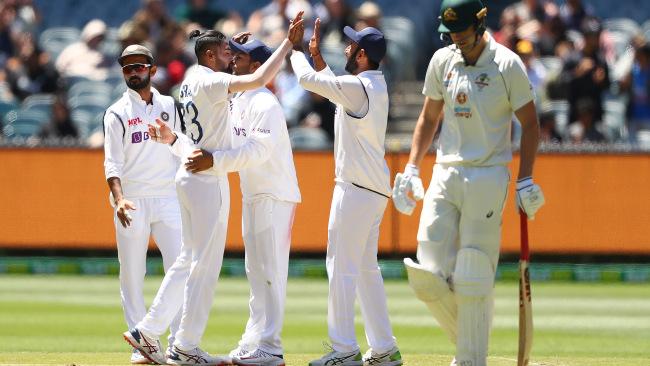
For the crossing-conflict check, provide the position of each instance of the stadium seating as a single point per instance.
(24, 123)
(54, 40)
(39, 103)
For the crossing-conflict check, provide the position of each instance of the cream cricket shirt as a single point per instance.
(479, 103)
(145, 168)
(261, 148)
(359, 125)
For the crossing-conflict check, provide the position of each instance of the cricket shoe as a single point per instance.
(335, 358)
(453, 362)
(195, 356)
(389, 358)
(138, 359)
(238, 352)
(259, 357)
(149, 347)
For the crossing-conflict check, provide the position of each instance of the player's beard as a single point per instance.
(137, 83)
(352, 65)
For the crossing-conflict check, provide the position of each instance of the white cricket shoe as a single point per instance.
(238, 352)
(335, 358)
(149, 347)
(138, 359)
(453, 362)
(259, 357)
(195, 356)
(389, 358)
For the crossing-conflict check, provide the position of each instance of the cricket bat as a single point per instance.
(525, 300)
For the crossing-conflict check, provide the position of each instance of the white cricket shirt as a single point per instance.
(261, 148)
(145, 168)
(204, 98)
(359, 125)
(479, 102)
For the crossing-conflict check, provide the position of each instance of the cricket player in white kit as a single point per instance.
(480, 84)
(261, 153)
(204, 198)
(360, 196)
(140, 175)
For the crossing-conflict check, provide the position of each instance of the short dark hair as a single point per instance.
(206, 39)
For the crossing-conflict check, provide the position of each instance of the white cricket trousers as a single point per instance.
(190, 282)
(353, 271)
(161, 218)
(266, 227)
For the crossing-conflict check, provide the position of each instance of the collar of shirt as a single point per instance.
(136, 98)
(370, 73)
(484, 58)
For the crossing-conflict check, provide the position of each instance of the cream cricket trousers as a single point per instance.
(266, 227)
(462, 213)
(161, 218)
(462, 208)
(353, 271)
(190, 282)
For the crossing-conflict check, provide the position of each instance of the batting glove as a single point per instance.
(405, 183)
(529, 196)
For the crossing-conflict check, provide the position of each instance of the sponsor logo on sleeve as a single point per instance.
(164, 116)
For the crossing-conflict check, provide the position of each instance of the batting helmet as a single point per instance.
(458, 15)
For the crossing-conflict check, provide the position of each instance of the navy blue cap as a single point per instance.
(371, 40)
(257, 50)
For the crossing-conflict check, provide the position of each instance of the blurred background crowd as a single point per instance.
(588, 61)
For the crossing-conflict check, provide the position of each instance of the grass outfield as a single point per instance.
(77, 320)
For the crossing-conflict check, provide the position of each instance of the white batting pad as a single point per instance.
(473, 284)
(434, 291)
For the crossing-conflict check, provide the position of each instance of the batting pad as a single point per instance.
(473, 284)
(434, 291)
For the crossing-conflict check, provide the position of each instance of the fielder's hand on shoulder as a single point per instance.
(121, 209)
(405, 183)
(199, 161)
(160, 132)
(529, 196)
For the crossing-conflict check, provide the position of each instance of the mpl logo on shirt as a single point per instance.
(139, 136)
(135, 121)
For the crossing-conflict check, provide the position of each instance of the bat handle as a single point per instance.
(523, 225)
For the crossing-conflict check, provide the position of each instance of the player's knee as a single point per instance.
(474, 274)
(426, 285)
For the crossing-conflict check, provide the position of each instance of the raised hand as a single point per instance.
(160, 132)
(314, 41)
(296, 30)
(241, 37)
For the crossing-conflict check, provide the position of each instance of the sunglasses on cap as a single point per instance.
(127, 69)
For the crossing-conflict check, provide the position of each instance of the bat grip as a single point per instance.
(523, 225)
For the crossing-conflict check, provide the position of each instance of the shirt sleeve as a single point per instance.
(215, 86)
(113, 145)
(183, 146)
(520, 88)
(344, 90)
(266, 119)
(432, 83)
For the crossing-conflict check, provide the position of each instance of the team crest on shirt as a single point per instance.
(164, 116)
(482, 81)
